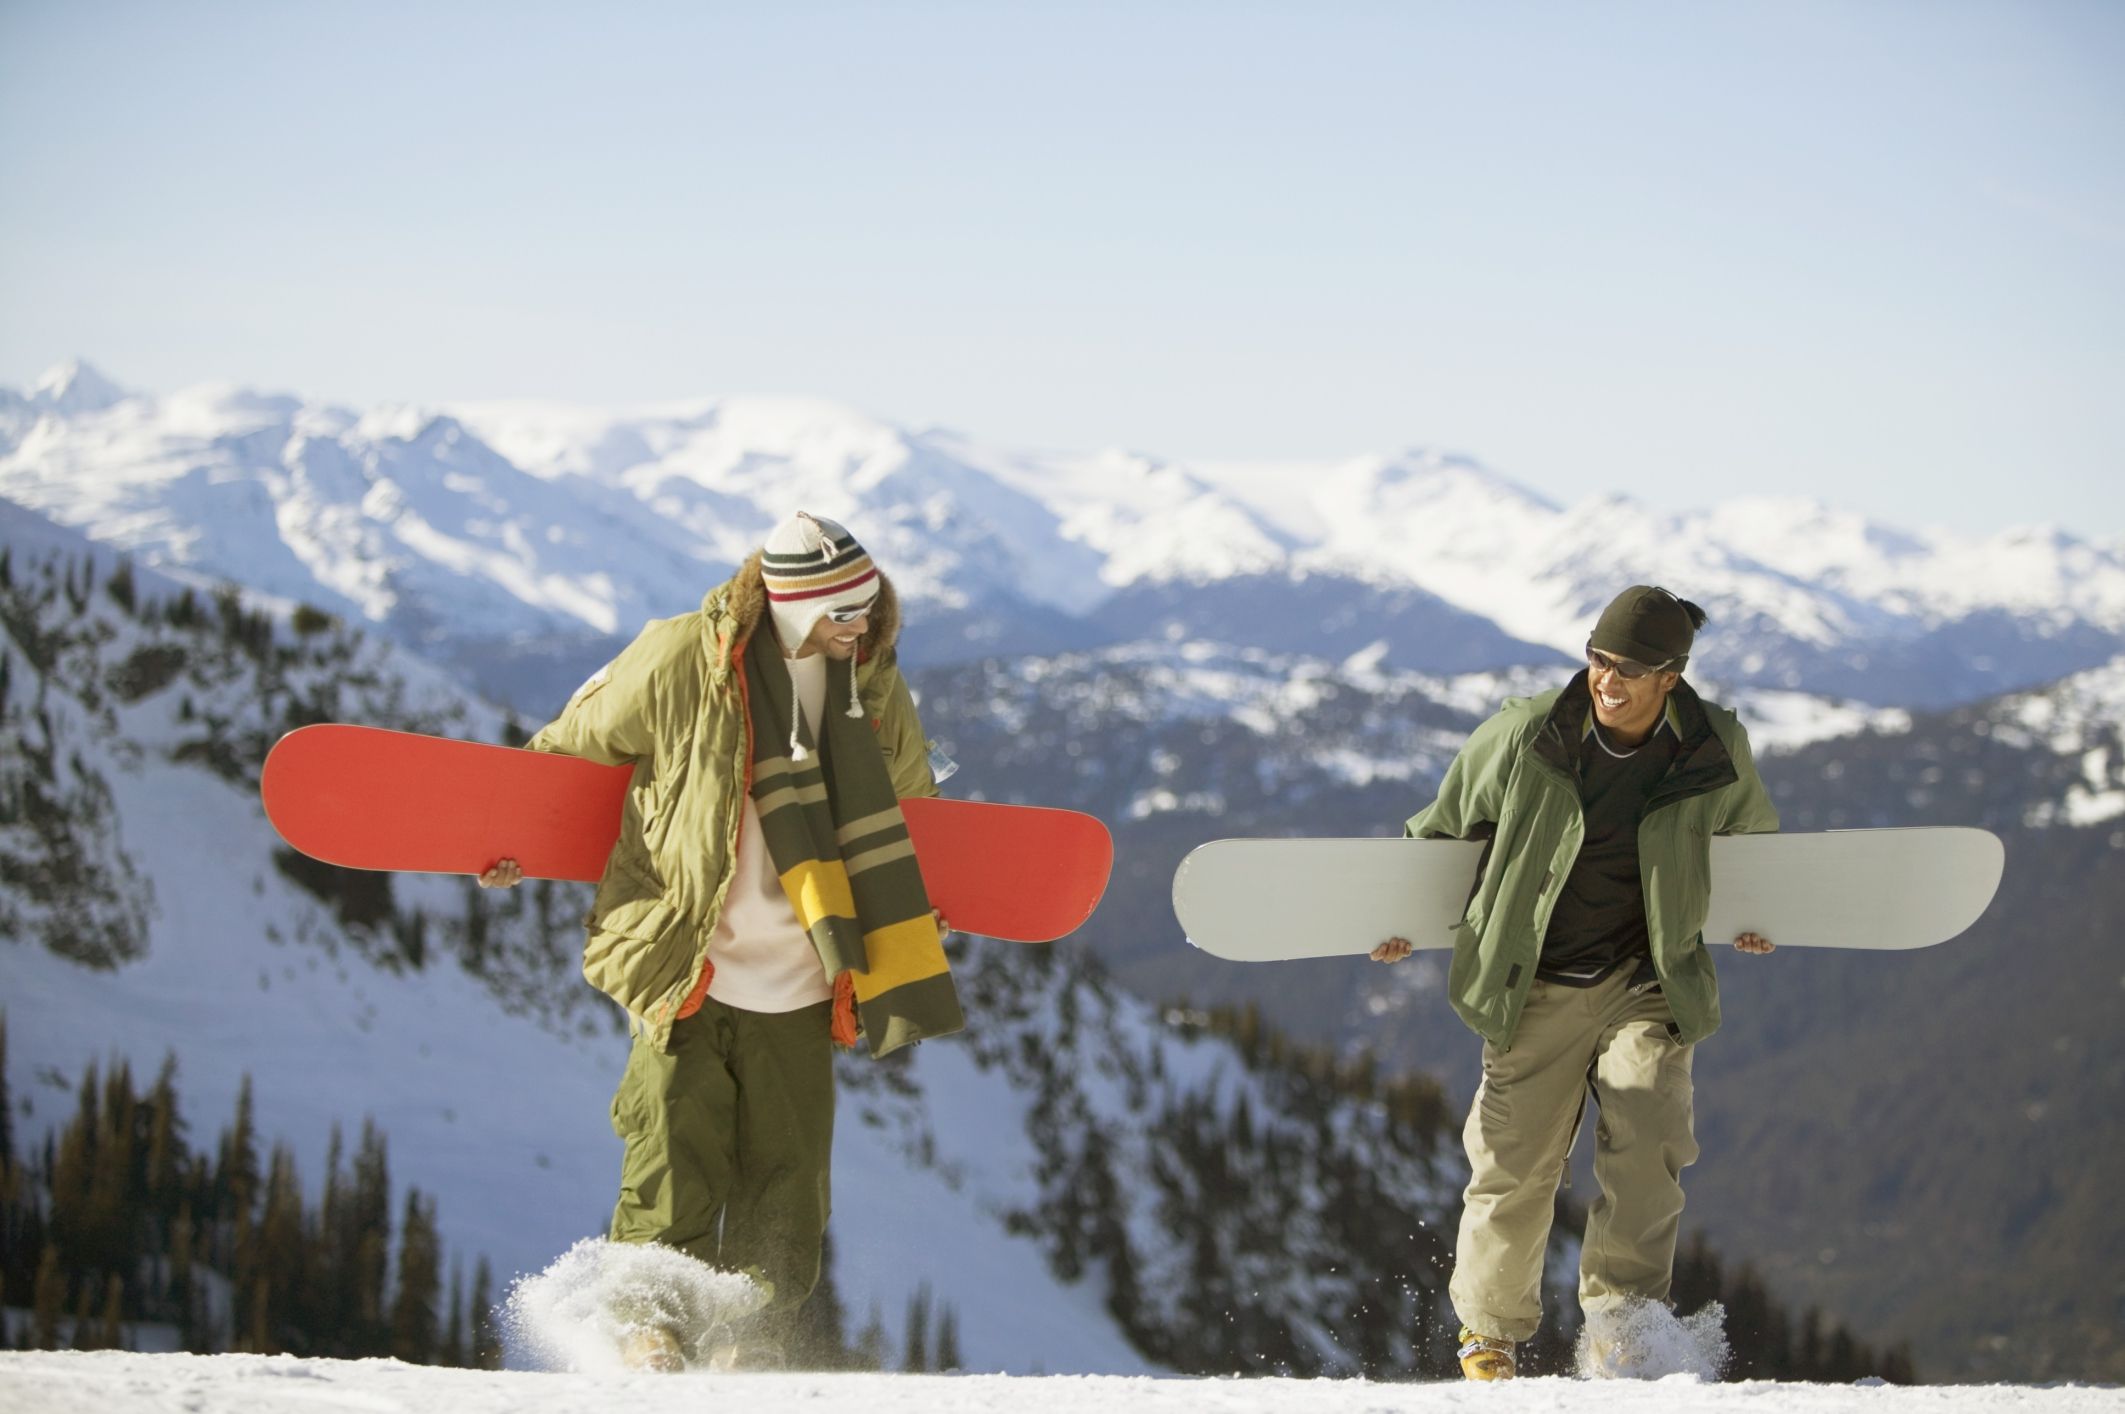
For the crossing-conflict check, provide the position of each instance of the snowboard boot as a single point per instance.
(1486, 1358)
(652, 1347)
(746, 1355)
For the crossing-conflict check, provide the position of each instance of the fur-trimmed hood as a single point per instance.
(741, 601)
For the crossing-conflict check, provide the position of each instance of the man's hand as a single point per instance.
(1754, 942)
(503, 874)
(1393, 950)
(944, 929)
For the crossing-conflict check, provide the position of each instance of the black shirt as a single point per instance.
(1599, 923)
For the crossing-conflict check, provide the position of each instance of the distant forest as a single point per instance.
(115, 1223)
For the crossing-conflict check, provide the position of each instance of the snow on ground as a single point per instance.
(115, 1383)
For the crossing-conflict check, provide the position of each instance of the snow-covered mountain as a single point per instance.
(536, 534)
(2080, 718)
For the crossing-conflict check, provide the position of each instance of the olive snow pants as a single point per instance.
(1616, 1042)
(729, 1138)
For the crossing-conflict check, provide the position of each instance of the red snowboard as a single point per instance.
(367, 798)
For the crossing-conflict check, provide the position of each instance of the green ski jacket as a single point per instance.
(1515, 785)
(672, 705)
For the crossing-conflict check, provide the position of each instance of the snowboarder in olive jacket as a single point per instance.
(762, 902)
(1580, 962)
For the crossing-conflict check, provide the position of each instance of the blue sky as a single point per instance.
(1869, 252)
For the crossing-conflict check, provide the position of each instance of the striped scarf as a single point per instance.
(834, 831)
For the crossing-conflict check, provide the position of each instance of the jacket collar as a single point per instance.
(1702, 762)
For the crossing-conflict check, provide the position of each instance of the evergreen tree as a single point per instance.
(281, 1258)
(1808, 1353)
(165, 1149)
(111, 1217)
(7, 1116)
(1757, 1329)
(486, 1338)
(47, 1301)
(413, 1318)
(369, 1217)
(236, 1184)
(111, 1331)
(122, 590)
(1108, 1239)
(1847, 1361)
(948, 1357)
(916, 1356)
(335, 1244)
(73, 1169)
(180, 1284)
(452, 1351)
(84, 1332)
(15, 1273)
(869, 1350)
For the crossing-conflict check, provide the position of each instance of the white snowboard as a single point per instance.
(1272, 899)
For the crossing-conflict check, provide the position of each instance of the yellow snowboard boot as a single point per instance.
(1486, 1358)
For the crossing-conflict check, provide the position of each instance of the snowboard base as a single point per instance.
(367, 798)
(1259, 900)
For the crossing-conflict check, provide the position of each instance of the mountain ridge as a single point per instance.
(493, 530)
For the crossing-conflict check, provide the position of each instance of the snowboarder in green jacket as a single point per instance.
(762, 903)
(1580, 961)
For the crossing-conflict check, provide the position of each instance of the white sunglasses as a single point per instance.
(849, 613)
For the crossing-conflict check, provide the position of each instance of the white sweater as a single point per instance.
(764, 961)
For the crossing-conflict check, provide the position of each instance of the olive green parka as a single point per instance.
(1515, 785)
(673, 706)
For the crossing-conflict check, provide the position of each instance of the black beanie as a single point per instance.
(1650, 625)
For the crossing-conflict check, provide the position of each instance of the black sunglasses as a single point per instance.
(1629, 669)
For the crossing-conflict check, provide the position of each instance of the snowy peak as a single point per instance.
(1421, 478)
(73, 387)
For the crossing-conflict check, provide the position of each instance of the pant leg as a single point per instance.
(1517, 1133)
(676, 1112)
(1645, 1138)
(780, 1193)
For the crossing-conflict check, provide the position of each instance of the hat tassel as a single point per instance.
(798, 751)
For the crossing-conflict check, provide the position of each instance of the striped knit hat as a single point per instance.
(811, 565)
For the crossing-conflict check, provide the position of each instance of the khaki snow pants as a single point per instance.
(729, 1138)
(1617, 1043)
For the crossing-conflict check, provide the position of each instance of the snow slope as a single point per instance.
(105, 1383)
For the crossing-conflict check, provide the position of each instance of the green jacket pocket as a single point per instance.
(637, 952)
